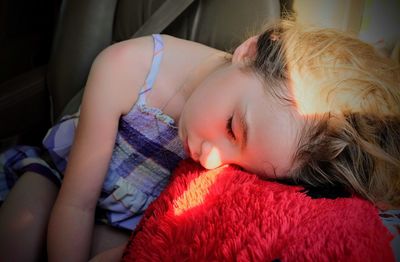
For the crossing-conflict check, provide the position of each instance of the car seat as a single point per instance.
(39, 98)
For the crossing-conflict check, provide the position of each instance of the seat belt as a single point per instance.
(163, 17)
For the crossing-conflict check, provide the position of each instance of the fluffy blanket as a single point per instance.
(230, 215)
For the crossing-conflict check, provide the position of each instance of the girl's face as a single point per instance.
(230, 119)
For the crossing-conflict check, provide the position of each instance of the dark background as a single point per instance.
(26, 30)
(26, 33)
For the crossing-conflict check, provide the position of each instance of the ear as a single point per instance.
(247, 50)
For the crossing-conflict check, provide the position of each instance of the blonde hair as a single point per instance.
(350, 97)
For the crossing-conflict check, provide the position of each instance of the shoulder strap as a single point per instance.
(164, 16)
(155, 67)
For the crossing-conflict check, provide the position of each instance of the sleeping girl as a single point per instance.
(313, 106)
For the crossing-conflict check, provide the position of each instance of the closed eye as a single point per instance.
(229, 129)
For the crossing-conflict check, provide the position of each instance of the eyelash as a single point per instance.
(229, 129)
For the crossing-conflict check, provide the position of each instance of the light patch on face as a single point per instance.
(213, 159)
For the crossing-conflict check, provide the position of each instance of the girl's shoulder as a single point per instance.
(119, 71)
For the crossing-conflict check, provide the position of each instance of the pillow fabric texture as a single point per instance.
(227, 214)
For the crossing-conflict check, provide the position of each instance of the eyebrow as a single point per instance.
(244, 127)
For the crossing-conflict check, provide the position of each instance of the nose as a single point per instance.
(206, 148)
(210, 156)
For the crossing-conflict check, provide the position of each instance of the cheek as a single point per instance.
(200, 122)
(192, 116)
(201, 107)
(205, 110)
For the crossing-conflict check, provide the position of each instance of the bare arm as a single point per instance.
(111, 89)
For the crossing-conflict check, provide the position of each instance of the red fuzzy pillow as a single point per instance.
(228, 214)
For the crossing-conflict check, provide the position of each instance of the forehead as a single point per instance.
(272, 140)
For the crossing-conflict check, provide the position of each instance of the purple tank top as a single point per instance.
(147, 149)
